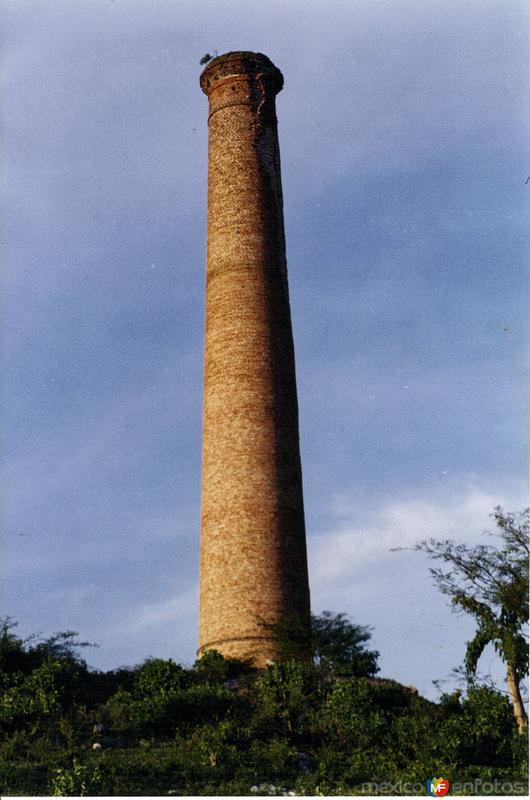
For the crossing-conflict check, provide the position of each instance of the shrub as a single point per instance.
(287, 691)
(365, 712)
(213, 666)
(163, 712)
(79, 780)
(482, 731)
(48, 689)
(157, 676)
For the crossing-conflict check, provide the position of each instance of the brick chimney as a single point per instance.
(253, 548)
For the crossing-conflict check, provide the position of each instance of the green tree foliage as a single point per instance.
(484, 728)
(46, 690)
(339, 645)
(220, 728)
(157, 676)
(78, 780)
(12, 651)
(366, 711)
(332, 641)
(212, 666)
(22, 656)
(166, 698)
(39, 678)
(491, 583)
(286, 692)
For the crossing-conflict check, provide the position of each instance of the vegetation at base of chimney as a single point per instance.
(222, 728)
(330, 640)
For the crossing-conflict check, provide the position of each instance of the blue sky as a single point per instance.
(403, 136)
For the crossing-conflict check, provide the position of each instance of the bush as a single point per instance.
(482, 731)
(286, 693)
(364, 712)
(163, 712)
(23, 779)
(157, 676)
(48, 689)
(212, 666)
(79, 780)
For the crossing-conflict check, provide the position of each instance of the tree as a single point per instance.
(340, 645)
(491, 584)
(20, 657)
(332, 640)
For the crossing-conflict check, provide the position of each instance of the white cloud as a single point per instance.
(362, 538)
(353, 570)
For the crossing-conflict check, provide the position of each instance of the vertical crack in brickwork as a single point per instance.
(258, 126)
(253, 550)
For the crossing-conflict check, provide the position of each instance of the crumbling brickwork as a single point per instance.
(253, 550)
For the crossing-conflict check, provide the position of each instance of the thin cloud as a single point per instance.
(461, 511)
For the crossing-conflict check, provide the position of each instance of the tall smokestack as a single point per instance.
(253, 549)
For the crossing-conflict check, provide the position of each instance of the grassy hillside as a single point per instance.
(222, 728)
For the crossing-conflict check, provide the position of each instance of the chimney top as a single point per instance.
(239, 62)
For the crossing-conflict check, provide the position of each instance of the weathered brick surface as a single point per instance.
(253, 551)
